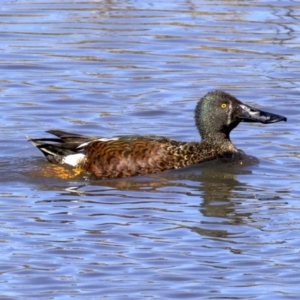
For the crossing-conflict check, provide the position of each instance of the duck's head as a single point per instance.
(217, 113)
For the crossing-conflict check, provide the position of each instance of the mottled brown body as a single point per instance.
(140, 156)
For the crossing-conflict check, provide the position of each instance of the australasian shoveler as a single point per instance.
(216, 115)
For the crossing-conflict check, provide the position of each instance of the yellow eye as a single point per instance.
(223, 105)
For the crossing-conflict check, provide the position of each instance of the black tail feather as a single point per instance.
(66, 137)
(55, 149)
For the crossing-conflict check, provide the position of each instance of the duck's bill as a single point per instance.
(251, 114)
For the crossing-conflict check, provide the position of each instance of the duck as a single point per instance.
(217, 113)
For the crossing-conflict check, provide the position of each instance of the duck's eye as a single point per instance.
(223, 105)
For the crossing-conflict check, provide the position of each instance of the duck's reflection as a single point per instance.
(215, 183)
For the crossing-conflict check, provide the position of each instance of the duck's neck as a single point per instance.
(216, 137)
(219, 142)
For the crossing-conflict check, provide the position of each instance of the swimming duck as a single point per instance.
(216, 115)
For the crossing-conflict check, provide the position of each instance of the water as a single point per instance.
(107, 68)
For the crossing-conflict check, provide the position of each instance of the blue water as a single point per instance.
(211, 231)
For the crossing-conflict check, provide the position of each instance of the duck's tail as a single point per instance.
(65, 149)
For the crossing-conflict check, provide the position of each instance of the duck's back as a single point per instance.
(129, 156)
(136, 155)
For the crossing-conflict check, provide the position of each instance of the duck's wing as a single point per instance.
(69, 148)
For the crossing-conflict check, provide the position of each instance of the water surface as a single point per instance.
(107, 68)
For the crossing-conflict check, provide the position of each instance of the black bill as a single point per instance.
(251, 114)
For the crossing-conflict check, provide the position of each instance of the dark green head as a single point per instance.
(217, 113)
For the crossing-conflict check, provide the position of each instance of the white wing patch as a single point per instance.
(98, 140)
(73, 159)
